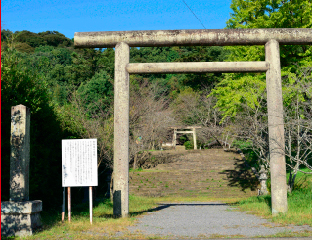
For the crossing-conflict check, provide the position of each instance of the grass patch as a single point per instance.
(299, 204)
(136, 170)
(288, 234)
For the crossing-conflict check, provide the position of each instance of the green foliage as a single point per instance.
(54, 38)
(64, 69)
(242, 145)
(249, 151)
(24, 47)
(5, 35)
(85, 63)
(107, 61)
(44, 49)
(32, 39)
(189, 145)
(237, 89)
(270, 14)
(20, 85)
(186, 102)
(202, 54)
(303, 181)
(151, 54)
(50, 38)
(16, 79)
(97, 93)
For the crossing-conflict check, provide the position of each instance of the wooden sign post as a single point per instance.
(63, 206)
(79, 167)
(91, 203)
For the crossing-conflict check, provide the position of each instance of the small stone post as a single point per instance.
(263, 178)
(174, 142)
(19, 216)
(121, 131)
(194, 138)
(276, 128)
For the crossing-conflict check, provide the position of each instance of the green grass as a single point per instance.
(299, 204)
(136, 170)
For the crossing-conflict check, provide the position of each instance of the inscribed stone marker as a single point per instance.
(19, 216)
(19, 159)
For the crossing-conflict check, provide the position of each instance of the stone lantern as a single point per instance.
(263, 178)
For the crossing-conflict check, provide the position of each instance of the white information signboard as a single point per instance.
(79, 163)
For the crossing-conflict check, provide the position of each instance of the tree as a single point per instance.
(76, 119)
(5, 35)
(202, 54)
(298, 127)
(54, 38)
(242, 97)
(251, 126)
(20, 85)
(32, 39)
(193, 108)
(246, 88)
(150, 119)
(97, 94)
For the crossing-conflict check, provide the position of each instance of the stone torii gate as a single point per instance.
(270, 38)
(189, 130)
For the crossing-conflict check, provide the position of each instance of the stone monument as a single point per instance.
(263, 178)
(19, 216)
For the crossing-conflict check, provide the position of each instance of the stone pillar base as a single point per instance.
(20, 218)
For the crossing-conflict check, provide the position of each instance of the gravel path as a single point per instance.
(191, 220)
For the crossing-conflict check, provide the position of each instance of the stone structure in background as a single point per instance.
(263, 178)
(19, 216)
(184, 130)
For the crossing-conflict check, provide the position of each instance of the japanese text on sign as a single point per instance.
(79, 163)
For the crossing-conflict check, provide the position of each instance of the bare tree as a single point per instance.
(298, 127)
(195, 108)
(150, 119)
(251, 125)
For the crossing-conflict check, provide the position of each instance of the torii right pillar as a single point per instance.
(276, 128)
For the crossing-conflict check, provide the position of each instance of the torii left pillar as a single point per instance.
(121, 131)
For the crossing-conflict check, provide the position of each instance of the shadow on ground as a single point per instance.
(167, 205)
(241, 176)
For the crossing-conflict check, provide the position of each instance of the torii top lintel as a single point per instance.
(202, 37)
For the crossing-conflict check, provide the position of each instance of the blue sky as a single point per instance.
(73, 16)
